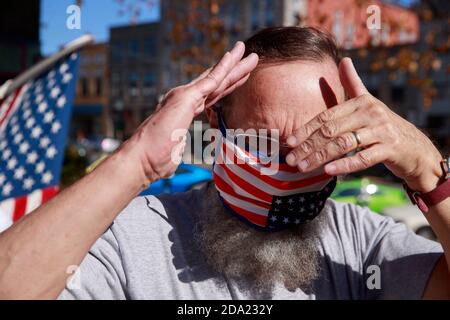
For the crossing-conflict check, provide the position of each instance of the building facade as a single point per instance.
(358, 24)
(91, 116)
(135, 74)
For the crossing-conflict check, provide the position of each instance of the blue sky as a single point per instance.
(97, 16)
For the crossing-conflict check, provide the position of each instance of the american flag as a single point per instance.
(268, 201)
(34, 121)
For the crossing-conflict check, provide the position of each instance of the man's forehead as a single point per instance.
(292, 89)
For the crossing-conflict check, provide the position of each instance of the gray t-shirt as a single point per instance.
(149, 253)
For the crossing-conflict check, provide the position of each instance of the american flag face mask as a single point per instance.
(278, 201)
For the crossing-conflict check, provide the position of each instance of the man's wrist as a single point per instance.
(132, 163)
(430, 177)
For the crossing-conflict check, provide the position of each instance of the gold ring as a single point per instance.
(358, 138)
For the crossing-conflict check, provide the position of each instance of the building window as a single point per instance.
(255, 15)
(115, 83)
(116, 51)
(270, 13)
(84, 87)
(397, 94)
(133, 79)
(149, 80)
(349, 37)
(98, 86)
(338, 27)
(149, 83)
(150, 47)
(134, 48)
(99, 59)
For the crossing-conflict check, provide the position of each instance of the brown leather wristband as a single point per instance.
(426, 200)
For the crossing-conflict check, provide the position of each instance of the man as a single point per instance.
(208, 244)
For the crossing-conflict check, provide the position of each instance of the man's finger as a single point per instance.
(350, 79)
(304, 132)
(336, 148)
(242, 70)
(329, 132)
(360, 161)
(214, 79)
(235, 53)
(211, 101)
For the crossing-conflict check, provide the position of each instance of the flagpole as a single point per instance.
(45, 64)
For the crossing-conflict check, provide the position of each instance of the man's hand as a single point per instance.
(154, 138)
(385, 138)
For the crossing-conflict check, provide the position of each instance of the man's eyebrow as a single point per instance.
(327, 93)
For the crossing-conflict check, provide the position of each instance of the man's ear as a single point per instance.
(212, 118)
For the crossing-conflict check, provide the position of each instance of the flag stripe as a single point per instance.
(7, 207)
(225, 188)
(48, 193)
(19, 208)
(220, 172)
(245, 205)
(16, 208)
(11, 106)
(252, 217)
(247, 186)
(34, 200)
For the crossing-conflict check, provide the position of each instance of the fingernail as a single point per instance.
(330, 169)
(303, 165)
(292, 141)
(290, 159)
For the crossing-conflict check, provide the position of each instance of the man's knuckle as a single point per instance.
(306, 146)
(365, 99)
(328, 130)
(211, 77)
(297, 153)
(387, 129)
(178, 91)
(347, 164)
(321, 155)
(365, 159)
(395, 140)
(324, 117)
(376, 110)
(308, 130)
(344, 143)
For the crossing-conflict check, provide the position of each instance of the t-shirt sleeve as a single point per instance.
(404, 259)
(100, 275)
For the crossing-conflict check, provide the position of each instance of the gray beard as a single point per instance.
(254, 259)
